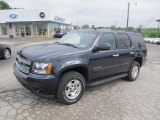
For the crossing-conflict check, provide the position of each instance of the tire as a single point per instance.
(67, 84)
(132, 75)
(6, 54)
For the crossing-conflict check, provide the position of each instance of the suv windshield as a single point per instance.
(78, 39)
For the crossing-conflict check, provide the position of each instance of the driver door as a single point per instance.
(105, 62)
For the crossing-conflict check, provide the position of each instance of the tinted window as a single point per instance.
(110, 39)
(124, 41)
(137, 39)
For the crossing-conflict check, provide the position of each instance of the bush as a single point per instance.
(153, 33)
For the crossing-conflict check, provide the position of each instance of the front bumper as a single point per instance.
(41, 85)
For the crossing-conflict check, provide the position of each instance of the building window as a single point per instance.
(42, 30)
(18, 31)
(10, 25)
(35, 30)
(28, 31)
(4, 30)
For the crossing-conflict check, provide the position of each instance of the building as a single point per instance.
(15, 23)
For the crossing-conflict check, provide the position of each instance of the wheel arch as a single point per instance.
(82, 69)
(139, 60)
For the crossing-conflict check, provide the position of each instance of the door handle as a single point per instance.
(115, 55)
(131, 53)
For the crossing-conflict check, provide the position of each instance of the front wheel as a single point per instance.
(134, 71)
(71, 88)
(6, 54)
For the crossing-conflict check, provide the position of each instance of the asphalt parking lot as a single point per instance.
(116, 100)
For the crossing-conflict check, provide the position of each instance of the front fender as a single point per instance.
(64, 65)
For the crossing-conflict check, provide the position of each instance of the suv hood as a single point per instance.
(46, 51)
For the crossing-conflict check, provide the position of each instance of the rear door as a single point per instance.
(125, 51)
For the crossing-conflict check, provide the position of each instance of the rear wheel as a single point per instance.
(134, 71)
(71, 88)
(6, 54)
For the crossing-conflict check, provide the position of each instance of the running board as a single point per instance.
(93, 83)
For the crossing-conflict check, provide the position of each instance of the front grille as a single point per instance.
(23, 64)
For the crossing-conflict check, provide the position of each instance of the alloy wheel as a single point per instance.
(73, 89)
(7, 54)
(135, 71)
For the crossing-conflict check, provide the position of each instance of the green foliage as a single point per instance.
(4, 5)
(151, 32)
(93, 26)
(130, 28)
(113, 27)
(138, 30)
(85, 26)
(119, 28)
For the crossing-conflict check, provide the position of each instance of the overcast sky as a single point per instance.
(100, 12)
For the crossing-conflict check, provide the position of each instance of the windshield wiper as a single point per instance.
(68, 44)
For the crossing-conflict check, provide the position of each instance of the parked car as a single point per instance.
(5, 51)
(148, 40)
(155, 41)
(79, 59)
(152, 40)
(60, 33)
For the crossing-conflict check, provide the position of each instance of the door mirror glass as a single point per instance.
(101, 47)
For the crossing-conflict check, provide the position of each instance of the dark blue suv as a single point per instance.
(79, 59)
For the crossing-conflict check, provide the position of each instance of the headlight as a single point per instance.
(42, 68)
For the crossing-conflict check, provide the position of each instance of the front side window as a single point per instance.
(78, 39)
(124, 41)
(108, 38)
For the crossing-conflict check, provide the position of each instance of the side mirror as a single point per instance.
(101, 47)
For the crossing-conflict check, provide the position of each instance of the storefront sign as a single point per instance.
(12, 15)
(57, 18)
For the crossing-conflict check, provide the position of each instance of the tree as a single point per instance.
(93, 26)
(130, 28)
(113, 27)
(139, 29)
(85, 26)
(119, 28)
(158, 23)
(4, 5)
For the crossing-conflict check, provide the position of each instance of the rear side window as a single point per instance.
(124, 41)
(137, 39)
(110, 39)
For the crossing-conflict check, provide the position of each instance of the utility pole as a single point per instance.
(140, 28)
(115, 24)
(128, 15)
(158, 20)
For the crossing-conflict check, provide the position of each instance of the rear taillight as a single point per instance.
(145, 53)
